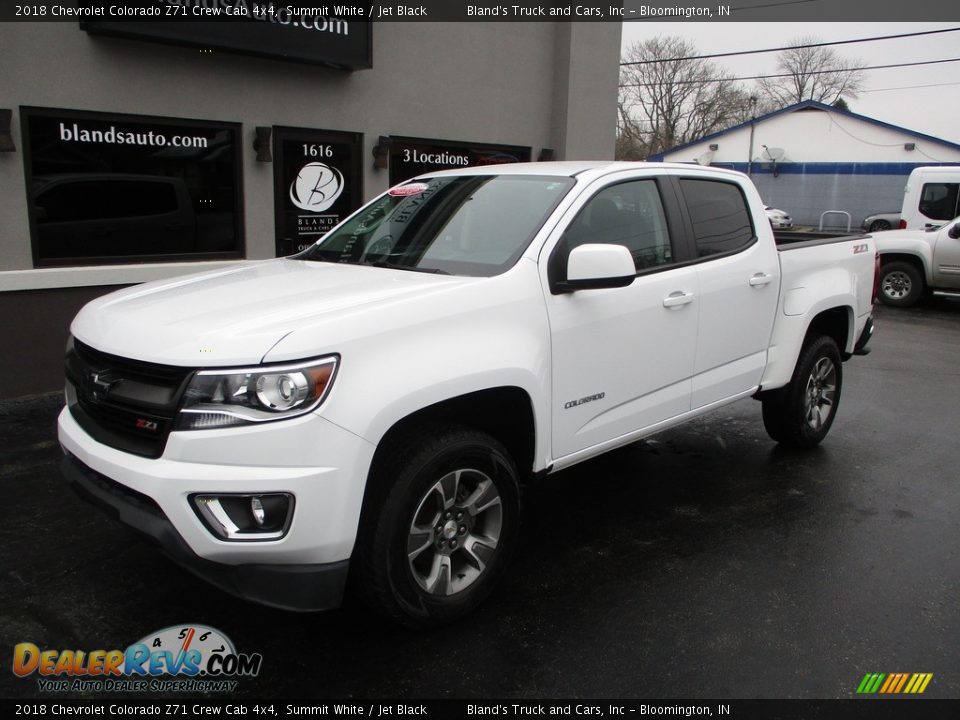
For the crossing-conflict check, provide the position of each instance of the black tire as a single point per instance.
(879, 226)
(901, 284)
(476, 533)
(800, 414)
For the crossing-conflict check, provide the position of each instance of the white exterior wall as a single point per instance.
(832, 161)
(819, 136)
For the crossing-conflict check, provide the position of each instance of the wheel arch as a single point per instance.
(837, 323)
(506, 413)
(834, 317)
(916, 260)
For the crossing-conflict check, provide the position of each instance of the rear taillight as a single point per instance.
(876, 277)
(903, 224)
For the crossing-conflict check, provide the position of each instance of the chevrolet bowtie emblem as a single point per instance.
(100, 384)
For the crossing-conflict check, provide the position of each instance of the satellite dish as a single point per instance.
(704, 159)
(774, 154)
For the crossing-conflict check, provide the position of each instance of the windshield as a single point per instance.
(462, 225)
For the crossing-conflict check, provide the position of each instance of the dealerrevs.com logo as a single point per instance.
(180, 658)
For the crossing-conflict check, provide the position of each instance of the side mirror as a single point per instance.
(954, 231)
(594, 267)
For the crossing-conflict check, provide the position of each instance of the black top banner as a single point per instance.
(390, 709)
(310, 16)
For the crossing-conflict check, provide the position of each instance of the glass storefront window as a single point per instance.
(106, 189)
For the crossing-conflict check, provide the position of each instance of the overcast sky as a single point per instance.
(931, 110)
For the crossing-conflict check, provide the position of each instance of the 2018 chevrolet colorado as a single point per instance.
(373, 404)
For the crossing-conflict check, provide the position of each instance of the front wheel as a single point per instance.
(900, 284)
(800, 414)
(440, 536)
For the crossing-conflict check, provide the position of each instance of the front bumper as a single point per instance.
(289, 587)
(323, 466)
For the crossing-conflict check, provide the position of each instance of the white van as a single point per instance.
(930, 198)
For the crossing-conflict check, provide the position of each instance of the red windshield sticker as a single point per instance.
(408, 189)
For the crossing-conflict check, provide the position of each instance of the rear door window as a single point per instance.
(719, 214)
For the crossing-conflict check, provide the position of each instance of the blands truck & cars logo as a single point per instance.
(317, 187)
(185, 658)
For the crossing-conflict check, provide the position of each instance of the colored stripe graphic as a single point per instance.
(903, 679)
(870, 683)
(894, 683)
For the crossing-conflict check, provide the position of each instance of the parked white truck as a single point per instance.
(914, 262)
(373, 404)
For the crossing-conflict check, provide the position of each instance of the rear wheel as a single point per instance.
(442, 530)
(800, 415)
(879, 225)
(900, 284)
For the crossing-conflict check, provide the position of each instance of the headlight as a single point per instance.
(223, 398)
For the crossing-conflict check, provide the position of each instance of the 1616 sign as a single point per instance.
(317, 183)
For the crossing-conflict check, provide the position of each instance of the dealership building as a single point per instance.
(135, 151)
(821, 163)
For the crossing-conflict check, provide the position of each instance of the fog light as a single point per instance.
(256, 507)
(245, 518)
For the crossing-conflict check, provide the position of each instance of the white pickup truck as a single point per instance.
(916, 261)
(373, 404)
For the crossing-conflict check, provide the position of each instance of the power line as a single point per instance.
(909, 87)
(792, 47)
(782, 75)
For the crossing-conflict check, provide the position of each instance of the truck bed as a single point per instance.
(790, 240)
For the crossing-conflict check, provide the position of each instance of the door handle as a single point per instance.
(676, 299)
(760, 279)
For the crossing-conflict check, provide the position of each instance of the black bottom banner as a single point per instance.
(865, 709)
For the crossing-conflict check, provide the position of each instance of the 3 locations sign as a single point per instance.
(410, 157)
(252, 27)
(317, 183)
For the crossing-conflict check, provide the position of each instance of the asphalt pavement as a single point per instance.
(704, 562)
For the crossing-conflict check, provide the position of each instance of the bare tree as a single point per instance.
(668, 98)
(815, 73)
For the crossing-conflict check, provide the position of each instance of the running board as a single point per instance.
(947, 293)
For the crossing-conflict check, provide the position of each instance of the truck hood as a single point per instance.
(890, 240)
(234, 316)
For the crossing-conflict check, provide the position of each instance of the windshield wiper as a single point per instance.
(392, 266)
